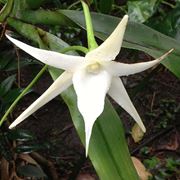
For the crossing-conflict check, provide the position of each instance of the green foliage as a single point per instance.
(31, 147)
(172, 164)
(5, 147)
(163, 169)
(166, 114)
(35, 4)
(168, 23)
(6, 85)
(104, 7)
(140, 11)
(13, 154)
(152, 163)
(6, 138)
(6, 10)
(137, 36)
(20, 135)
(8, 61)
(3, 1)
(7, 93)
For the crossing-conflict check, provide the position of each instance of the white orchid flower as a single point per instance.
(92, 76)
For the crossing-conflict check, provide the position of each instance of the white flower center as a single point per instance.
(93, 68)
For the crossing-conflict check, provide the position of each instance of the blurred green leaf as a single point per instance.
(18, 5)
(45, 17)
(31, 148)
(152, 162)
(6, 85)
(26, 30)
(31, 171)
(140, 11)
(137, 36)
(12, 65)
(172, 164)
(20, 135)
(5, 148)
(104, 7)
(8, 62)
(34, 4)
(5, 58)
(3, 1)
(6, 10)
(168, 24)
(11, 95)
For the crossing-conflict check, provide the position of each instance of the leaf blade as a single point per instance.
(137, 36)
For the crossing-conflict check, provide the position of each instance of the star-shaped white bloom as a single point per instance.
(92, 76)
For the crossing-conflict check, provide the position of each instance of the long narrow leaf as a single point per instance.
(137, 36)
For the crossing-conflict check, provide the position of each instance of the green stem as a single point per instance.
(76, 48)
(74, 4)
(6, 10)
(23, 93)
(70, 48)
(169, 4)
(90, 33)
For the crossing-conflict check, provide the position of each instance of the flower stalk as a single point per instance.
(89, 27)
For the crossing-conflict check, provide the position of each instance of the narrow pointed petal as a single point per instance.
(55, 59)
(88, 131)
(110, 48)
(119, 94)
(61, 84)
(122, 69)
(91, 89)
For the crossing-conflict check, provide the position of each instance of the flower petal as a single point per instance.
(55, 59)
(110, 48)
(122, 69)
(91, 89)
(61, 84)
(119, 94)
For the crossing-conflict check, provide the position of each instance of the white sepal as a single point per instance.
(59, 85)
(110, 48)
(55, 59)
(119, 94)
(122, 69)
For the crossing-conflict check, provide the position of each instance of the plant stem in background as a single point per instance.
(23, 93)
(76, 48)
(90, 33)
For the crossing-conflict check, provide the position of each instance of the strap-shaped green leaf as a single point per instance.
(137, 36)
(5, 11)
